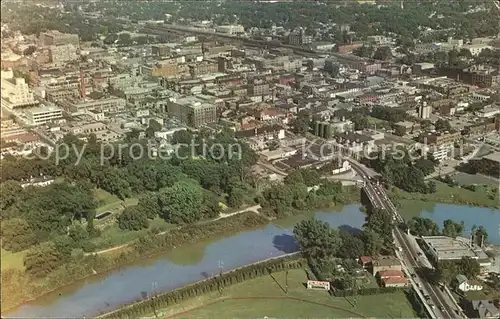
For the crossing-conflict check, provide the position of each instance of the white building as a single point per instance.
(43, 114)
(424, 111)
(475, 49)
(230, 29)
(489, 110)
(465, 284)
(15, 91)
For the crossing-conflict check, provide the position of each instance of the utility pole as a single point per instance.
(286, 282)
(154, 285)
(220, 266)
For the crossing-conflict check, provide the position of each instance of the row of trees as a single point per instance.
(214, 284)
(422, 226)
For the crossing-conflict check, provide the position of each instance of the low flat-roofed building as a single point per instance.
(447, 248)
(493, 157)
(43, 114)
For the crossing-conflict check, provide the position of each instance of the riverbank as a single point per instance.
(483, 196)
(18, 288)
(275, 293)
(148, 246)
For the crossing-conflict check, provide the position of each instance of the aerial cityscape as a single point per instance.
(250, 159)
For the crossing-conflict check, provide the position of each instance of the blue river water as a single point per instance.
(107, 292)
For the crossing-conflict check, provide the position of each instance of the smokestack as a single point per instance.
(82, 84)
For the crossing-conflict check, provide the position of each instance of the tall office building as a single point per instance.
(15, 91)
(192, 111)
(424, 111)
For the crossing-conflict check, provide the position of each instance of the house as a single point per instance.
(390, 274)
(392, 278)
(465, 285)
(381, 263)
(38, 181)
(484, 309)
(366, 261)
(394, 282)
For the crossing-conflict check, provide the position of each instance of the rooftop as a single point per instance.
(495, 157)
(452, 249)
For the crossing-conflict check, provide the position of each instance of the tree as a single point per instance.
(382, 53)
(278, 197)
(442, 125)
(17, 235)
(380, 221)
(153, 127)
(421, 226)
(301, 123)
(236, 197)
(181, 203)
(311, 177)
(352, 246)
(425, 165)
(295, 177)
(373, 242)
(469, 267)
(480, 235)
(317, 239)
(10, 191)
(29, 50)
(149, 204)
(42, 259)
(432, 187)
(452, 229)
(133, 218)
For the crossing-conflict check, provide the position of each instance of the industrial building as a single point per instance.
(447, 248)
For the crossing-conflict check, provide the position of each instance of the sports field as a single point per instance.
(264, 297)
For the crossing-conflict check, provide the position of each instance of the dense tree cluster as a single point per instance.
(411, 22)
(318, 240)
(61, 215)
(399, 170)
(448, 270)
(302, 189)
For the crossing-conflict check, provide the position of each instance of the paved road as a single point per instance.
(442, 305)
(254, 209)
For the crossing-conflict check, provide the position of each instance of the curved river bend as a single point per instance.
(195, 262)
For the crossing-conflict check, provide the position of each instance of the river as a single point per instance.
(195, 262)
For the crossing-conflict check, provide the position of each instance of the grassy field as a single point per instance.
(12, 260)
(112, 235)
(318, 304)
(455, 195)
(109, 202)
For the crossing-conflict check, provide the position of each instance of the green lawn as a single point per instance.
(456, 195)
(486, 294)
(211, 306)
(109, 202)
(12, 260)
(112, 235)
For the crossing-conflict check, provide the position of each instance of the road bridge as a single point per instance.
(438, 303)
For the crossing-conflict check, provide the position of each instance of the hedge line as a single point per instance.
(365, 291)
(145, 307)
